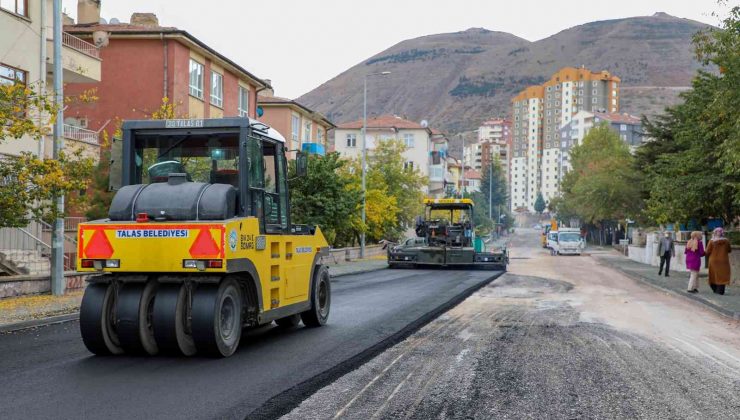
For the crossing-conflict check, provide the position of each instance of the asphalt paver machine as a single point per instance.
(445, 236)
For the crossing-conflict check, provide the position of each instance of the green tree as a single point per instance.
(30, 184)
(386, 173)
(692, 165)
(539, 203)
(492, 196)
(325, 197)
(603, 184)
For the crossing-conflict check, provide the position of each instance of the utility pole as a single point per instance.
(57, 240)
(490, 189)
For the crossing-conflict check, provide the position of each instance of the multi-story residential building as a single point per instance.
(145, 62)
(439, 177)
(454, 176)
(416, 137)
(473, 155)
(472, 181)
(629, 128)
(494, 137)
(27, 57)
(538, 114)
(303, 128)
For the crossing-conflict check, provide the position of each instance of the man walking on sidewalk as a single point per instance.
(666, 250)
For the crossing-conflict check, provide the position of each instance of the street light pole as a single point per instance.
(364, 155)
(463, 165)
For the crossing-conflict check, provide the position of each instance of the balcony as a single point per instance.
(436, 173)
(84, 139)
(81, 61)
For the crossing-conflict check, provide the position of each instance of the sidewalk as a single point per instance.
(727, 304)
(34, 310)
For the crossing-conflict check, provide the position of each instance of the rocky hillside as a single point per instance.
(457, 80)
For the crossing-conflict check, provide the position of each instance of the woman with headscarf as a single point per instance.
(694, 251)
(718, 251)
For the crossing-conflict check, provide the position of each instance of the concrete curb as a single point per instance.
(33, 323)
(691, 297)
(58, 319)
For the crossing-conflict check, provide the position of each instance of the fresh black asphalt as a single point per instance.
(48, 373)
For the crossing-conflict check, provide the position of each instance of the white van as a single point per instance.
(569, 241)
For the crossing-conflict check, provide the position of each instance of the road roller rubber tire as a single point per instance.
(134, 317)
(97, 320)
(170, 320)
(320, 299)
(217, 318)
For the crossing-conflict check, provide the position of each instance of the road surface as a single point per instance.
(47, 372)
(555, 337)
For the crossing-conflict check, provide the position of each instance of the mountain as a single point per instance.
(457, 80)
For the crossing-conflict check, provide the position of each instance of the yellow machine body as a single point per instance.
(282, 263)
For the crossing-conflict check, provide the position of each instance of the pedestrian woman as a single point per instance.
(694, 251)
(718, 251)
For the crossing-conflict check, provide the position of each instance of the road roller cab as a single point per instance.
(199, 242)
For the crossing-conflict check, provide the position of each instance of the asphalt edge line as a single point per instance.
(694, 299)
(34, 323)
(369, 270)
(291, 398)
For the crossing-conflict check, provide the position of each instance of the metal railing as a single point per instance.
(26, 250)
(81, 134)
(80, 45)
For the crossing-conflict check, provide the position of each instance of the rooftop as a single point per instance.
(616, 117)
(149, 30)
(277, 100)
(385, 121)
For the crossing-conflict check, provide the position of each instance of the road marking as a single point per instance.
(369, 384)
(390, 397)
(707, 355)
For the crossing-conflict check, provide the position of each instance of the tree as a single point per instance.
(539, 203)
(603, 184)
(490, 199)
(325, 197)
(693, 164)
(29, 183)
(386, 172)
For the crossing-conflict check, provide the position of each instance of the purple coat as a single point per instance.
(693, 258)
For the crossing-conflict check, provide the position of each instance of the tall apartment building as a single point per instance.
(494, 136)
(538, 114)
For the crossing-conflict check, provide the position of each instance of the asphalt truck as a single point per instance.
(445, 237)
(199, 243)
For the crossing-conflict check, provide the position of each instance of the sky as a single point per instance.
(300, 44)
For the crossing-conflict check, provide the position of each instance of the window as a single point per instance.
(594, 83)
(217, 89)
(243, 102)
(614, 101)
(10, 75)
(351, 140)
(409, 165)
(307, 131)
(623, 137)
(622, 127)
(18, 7)
(295, 128)
(320, 135)
(196, 79)
(408, 140)
(595, 92)
(594, 100)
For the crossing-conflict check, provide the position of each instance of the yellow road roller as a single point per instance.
(198, 243)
